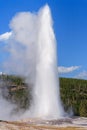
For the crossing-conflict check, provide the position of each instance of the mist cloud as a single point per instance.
(21, 47)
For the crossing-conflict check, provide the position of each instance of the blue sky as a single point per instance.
(70, 26)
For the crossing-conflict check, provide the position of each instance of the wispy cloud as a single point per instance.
(5, 36)
(82, 75)
(62, 69)
(0, 73)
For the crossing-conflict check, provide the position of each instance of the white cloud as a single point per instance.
(1, 73)
(62, 69)
(82, 75)
(5, 36)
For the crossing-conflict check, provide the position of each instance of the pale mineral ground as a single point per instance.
(75, 123)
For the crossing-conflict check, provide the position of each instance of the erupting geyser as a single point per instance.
(32, 51)
(46, 95)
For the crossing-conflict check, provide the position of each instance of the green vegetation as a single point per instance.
(73, 93)
(12, 79)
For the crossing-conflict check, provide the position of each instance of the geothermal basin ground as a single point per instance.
(75, 123)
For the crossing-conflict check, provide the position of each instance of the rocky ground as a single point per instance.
(38, 124)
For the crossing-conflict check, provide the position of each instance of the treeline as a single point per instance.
(12, 79)
(73, 93)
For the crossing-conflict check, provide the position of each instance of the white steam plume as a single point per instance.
(47, 102)
(32, 51)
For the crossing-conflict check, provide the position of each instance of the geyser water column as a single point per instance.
(47, 103)
(33, 54)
